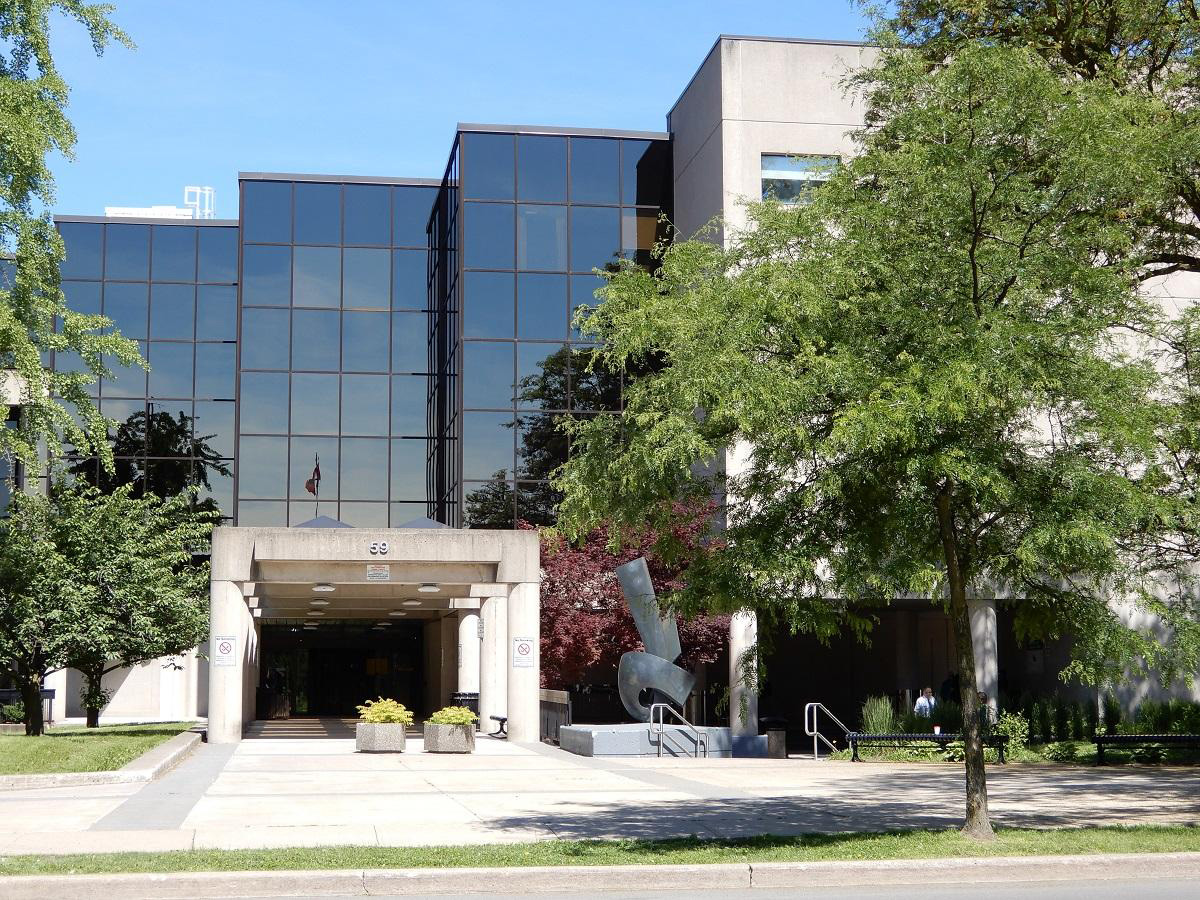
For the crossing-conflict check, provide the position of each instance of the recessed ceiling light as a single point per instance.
(412, 602)
(323, 588)
(318, 602)
(378, 628)
(316, 612)
(397, 613)
(428, 588)
(311, 628)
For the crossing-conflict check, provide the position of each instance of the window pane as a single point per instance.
(487, 445)
(267, 211)
(170, 370)
(367, 208)
(487, 166)
(172, 311)
(595, 170)
(640, 232)
(542, 168)
(127, 252)
(541, 376)
(411, 207)
(409, 394)
(215, 368)
(169, 433)
(315, 404)
(127, 306)
(408, 469)
(262, 467)
(82, 241)
(174, 253)
(127, 381)
(82, 296)
(595, 237)
(318, 214)
(593, 387)
(264, 402)
(305, 452)
(316, 342)
(790, 179)
(262, 514)
(488, 375)
(364, 469)
(316, 276)
(214, 426)
(264, 339)
(365, 404)
(409, 290)
(542, 306)
(266, 276)
(403, 513)
(645, 172)
(218, 490)
(583, 293)
(488, 304)
(216, 312)
(365, 341)
(489, 235)
(365, 279)
(410, 342)
(218, 255)
(363, 515)
(542, 238)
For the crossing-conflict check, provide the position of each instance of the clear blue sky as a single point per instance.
(373, 88)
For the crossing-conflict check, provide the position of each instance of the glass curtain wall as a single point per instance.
(334, 368)
(172, 287)
(444, 477)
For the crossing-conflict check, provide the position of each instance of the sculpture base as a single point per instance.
(636, 739)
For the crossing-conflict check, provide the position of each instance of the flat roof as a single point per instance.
(342, 179)
(144, 220)
(563, 130)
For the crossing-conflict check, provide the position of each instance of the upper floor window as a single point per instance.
(791, 178)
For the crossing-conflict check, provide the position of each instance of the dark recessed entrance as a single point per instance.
(331, 670)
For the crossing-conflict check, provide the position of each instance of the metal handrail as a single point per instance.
(658, 719)
(810, 726)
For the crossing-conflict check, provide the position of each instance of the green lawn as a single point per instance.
(70, 749)
(806, 848)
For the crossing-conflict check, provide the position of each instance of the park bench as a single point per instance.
(862, 739)
(1142, 740)
(502, 731)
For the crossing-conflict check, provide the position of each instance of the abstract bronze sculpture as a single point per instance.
(655, 669)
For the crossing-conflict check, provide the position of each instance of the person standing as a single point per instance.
(925, 704)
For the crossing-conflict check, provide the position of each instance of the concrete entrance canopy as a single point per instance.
(270, 573)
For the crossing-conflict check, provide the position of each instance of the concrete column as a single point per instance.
(983, 640)
(57, 681)
(468, 650)
(743, 698)
(493, 662)
(449, 659)
(229, 618)
(524, 678)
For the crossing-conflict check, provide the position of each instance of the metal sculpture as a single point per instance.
(654, 670)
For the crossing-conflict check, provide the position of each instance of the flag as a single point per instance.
(313, 485)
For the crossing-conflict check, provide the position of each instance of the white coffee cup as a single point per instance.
(937, 729)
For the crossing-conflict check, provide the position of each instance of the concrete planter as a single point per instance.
(379, 738)
(449, 738)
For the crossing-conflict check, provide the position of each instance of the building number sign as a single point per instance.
(378, 548)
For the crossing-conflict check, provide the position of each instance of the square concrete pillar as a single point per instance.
(493, 662)
(524, 662)
(232, 659)
(984, 643)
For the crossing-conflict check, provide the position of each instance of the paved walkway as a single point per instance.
(309, 791)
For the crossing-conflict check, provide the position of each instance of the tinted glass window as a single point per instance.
(409, 290)
(541, 376)
(219, 489)
(542, 238)
(411, 207)
(792, 179)
(264, 339)
(364, 469)
(170, 370)
(127, 252)
(261, 513)
(408, 469)
(315, 404)
(362, 515)
(127, 306)
(173, 253)
(408, 512)
(640, 231)
(410, 342)
(83, 296)
(266, 276)
(595, 237)
(215, 368)
(316, 339)
(262, 469)
(542, 306)
(267, 211)
(305, 451)
(488, 375)
(489, 235)
(316, 276)
(318, 214)
(172, 311)
(487, 171)
(82, 242)
(542, 168)
(368, 214)
(365, 341)
(595, 170)
(216, 312)
(487, 445)
(365, 278)
(645, 172)
(409, 394)
(264, 402)
(488, 304)
(217, 255)
(365, 404)
(214, 426)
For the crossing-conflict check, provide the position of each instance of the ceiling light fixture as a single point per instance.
(412, 602)
(310, 628)
(397, 613)
(323, 588)
(318, 602)
(316, 612)
(428, 588)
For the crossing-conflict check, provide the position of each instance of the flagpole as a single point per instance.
(317, 492)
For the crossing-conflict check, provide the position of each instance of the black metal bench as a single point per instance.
(1142, 740)
(861, 739)
(502, 731)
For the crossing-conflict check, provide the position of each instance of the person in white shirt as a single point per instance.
(925, 703)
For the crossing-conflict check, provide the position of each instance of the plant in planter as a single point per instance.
(381, 725)
(451, 730)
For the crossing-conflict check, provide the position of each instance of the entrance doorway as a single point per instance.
(332, 668)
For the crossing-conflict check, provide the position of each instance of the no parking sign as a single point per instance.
(523, 653)
(223, 649)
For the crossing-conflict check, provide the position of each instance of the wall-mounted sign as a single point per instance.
(223, 650)
(379, 573)
(523, 653)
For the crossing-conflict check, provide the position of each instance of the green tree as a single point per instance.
(33, 125)
(932, 374)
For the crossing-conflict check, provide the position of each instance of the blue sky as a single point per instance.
(372, 88)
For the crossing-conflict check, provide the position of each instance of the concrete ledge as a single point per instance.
(593, 879)
(147, 767)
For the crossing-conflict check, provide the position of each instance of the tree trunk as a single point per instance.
(29, 680)
(977, 824)
(92, 694)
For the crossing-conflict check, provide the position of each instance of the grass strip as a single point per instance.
(916, 844)
(71, 749)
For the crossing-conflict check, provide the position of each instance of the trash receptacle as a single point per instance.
(469, 699)
(775, 728)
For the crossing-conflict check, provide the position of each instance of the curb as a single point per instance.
(147, 767)
(588, 879)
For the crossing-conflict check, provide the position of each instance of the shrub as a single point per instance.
(878, 716)
(1062, 719)
(1013, 726)
(1077, 729)
(385, 712)
(949, 715)
(1045, 725)
(1092, 720)
(1112, 714)
(12, 712)
(911, 723)
(1061, 751)
(955, 751)
(452, 715)
(1151, 753)
(1029, 711)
